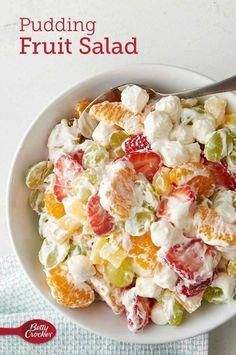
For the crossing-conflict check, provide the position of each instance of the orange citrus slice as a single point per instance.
(53, 206)
(212, 228)
(66, 292)
(196, 175)
(144, 252)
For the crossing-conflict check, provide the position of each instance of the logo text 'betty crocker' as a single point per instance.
(38, 331)
(34, 331)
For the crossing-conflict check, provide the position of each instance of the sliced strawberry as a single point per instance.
(66, 170)
(67, 167)
(136, 143)
(221, 174)
(146, 163)
(59, 190)
(192, 290)
(78, 156)
(194, 261)
(121, 158)
(184, 193)
(138, 309)
(99, 219)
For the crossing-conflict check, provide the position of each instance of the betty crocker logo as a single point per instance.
(35, 331)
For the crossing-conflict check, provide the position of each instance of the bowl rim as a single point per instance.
(62, 93)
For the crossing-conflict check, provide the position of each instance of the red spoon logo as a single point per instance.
(35, 331)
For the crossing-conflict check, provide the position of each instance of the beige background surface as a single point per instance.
(198, 35)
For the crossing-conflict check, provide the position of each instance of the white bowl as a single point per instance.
(23, 225)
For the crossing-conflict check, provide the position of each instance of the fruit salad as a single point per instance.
(137, 206)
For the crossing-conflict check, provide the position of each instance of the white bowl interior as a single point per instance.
(23, 222)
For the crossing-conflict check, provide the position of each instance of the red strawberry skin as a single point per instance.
(136, 143)
(147, 163)
(121, 158)
(139, 310)
(190, 290)
(194, 261)
(99, 219)
(59, 190)
(78, 156)
(221, 174)
(183, 192)
(66, 170)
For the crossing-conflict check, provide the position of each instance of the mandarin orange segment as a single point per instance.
(81, 106)
(115, 113)
(123, 192)
(110, 112)
(66, 292)
(144, 252)
(212, 228)
(119, 195)
(196, 175)
(53, 206)
(161, 181)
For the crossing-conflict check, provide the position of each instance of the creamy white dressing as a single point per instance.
(50, 230)
(182, 133)
(225, 204)
(179, 212)
(157, 125)
(81, 268)
(146, 287)
(102, 133)
(165, 277)
(134, 98)
(63, 139)
(173, 153)
(172, 106)
(203, 127)
(158, 315)
(165, 235)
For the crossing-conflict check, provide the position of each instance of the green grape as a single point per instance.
(233, 134)
(117, 138)
(51, 254)
(145, 193)
(82, 186)
(122, 276)
(213, 294)
(36, 201)
(74, 250)
(92, 176)
(139, 223)
(231, 159)
(199, 109)
(172, 308)
(95, 155)
(178, 314)
(37, 174)
(219, 144)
